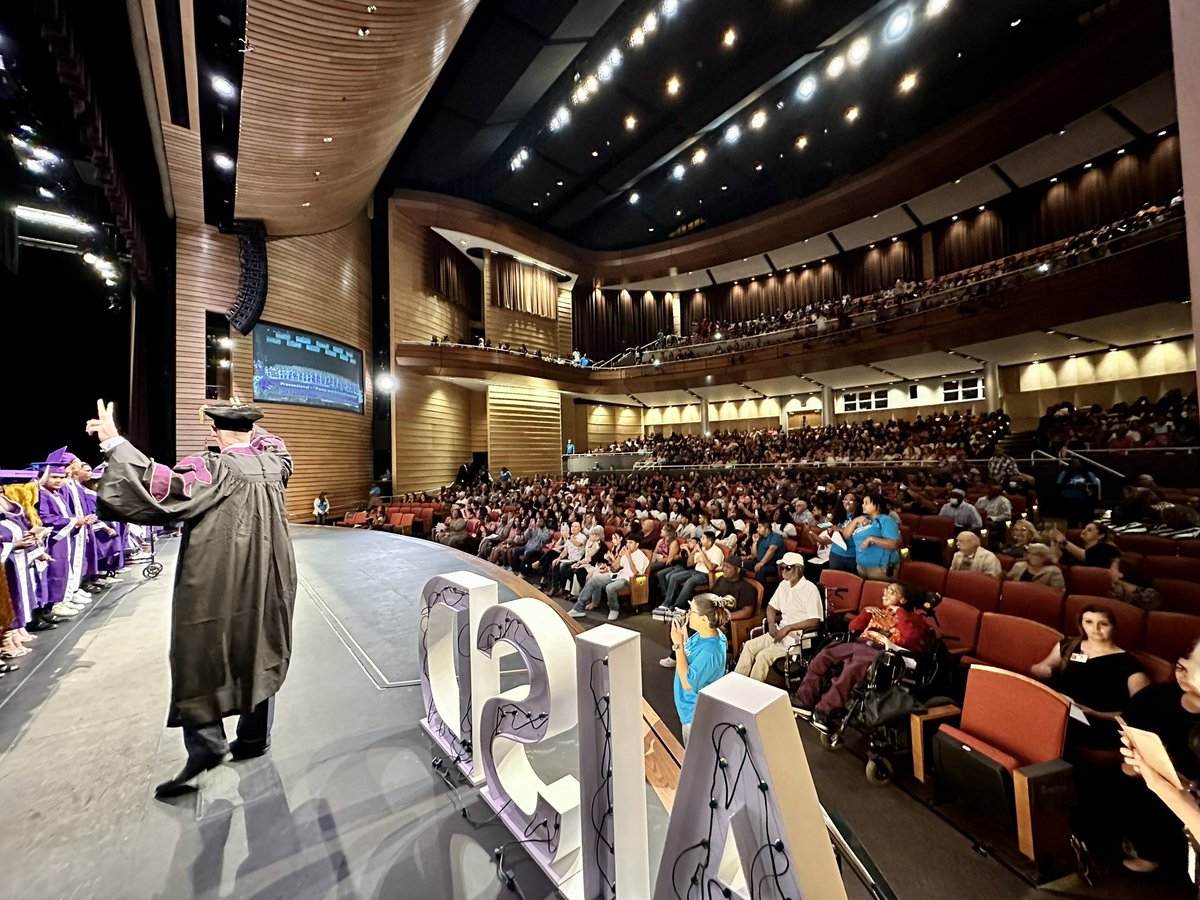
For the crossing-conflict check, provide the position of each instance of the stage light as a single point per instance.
(595, 153)
(1054, 180)
(679, 212)
(604, 70)
(650, 23)
(899, 24)
(223, 87)
(306, 204)
(836, 66)
(724, 187)
(729, 38)
(55, 219)
(758, 167)
(637, 37)
(561, 117)
(614, 57)
(634, 197)
(859, 50)
(630, 122)
(699, 156)
(1121, 152)
(536, 204)
(801, 142)
(670, 7)
(518, 160)
(592, 83)
(758, 120)
(90, 258)
(894, 238)
(852, 113)
(673, 85)
(807, 87)
(385, 382)
(327, 139)
(936, 7)
(225, 343)
(733, 134)
(110, 282)
(223, 161)
(45, 193)
(908, 82)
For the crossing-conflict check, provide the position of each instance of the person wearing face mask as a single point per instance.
(964, 515)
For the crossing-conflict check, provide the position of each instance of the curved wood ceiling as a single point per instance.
(310, 76)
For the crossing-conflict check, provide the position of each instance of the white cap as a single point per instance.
(792, 559)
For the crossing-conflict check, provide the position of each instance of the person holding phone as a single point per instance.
(699, 659)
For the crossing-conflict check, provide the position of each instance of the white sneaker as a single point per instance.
(613, 615)
(61, 609)
(667, 662)
(77, 600)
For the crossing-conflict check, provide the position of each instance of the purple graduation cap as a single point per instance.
(56, 462)
(17, 476)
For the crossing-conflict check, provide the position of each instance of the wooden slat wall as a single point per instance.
(183, 160)
(515, 328)
(566, 339)
(611, 424)
(524, 430)
(320, 283)
(433, 421)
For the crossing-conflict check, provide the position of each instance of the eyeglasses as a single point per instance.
(783, 566)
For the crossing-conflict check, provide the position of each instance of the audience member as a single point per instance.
(962, 514)
(973, 557)
(699, 659)
(1098, 547)
(1037, 566)
(795, 606)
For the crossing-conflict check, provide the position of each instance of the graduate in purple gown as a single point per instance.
(24, 560)
(55, 512)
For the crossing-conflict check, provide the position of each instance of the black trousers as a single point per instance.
(253, 730)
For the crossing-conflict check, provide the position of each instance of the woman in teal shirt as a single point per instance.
(878, 542)
(699, 659)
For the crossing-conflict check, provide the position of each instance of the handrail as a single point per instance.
(849, 850)
(1069, 452)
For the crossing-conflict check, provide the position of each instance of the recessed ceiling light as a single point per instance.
(870, 246)
(559, 183)
(954, 218)
(595, 153)
(223, 87)
(899, 24)
(45, 193)
(679, 212)
(851, 113)
(669, 7)
(1163, 133)
(758, 167)
(836, 66)
(895, 238)
(223, 161)
(535, 203)
(327, 139)
(637, 37)
(306, 204)
(758, 120)
(561, 117)
(1121, 152)
(317, 173)
(822, 262)
(673, 85)
(371, 7)
(859, 50)
(733, 134)
(630, 122)
(699, 155)
(650, 23)
(807, 87)
(801, 142)
(1014, 23)
(1054, 180)
(678, 171)
(875, 215)
(614, 57)
(1113, 349)
(1158, 341)
(982, 207)
(634, 197)
(724, 187)
(936, 7)
(729, 38)
(1087, 165)
(908, 82)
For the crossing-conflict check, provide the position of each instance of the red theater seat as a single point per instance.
(1159, 670)
(981, 591)
(739, 629)
(1131, 621)
(1011, 642)
(912, 520)
(958, 624)
(1146, 544)
(1032, 601)
(1169, 634)
(1189, 548)
(1089, 580)
(1179, 596)
(1183, 568)
(927, 575)
(872, 594)
(847, 588)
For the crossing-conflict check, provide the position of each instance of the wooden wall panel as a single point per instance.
(320, 283)
(516, 328)
(433, 421)
(183, 160)
(611, 424)
(524, 430)
(566, 326)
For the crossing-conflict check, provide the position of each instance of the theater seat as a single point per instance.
(1032, 601)
(1189, 548)
(1004, 761)
(932, 539)
(1131, 621)
(1159, 670)
(872, 594)
(981, 591)
(1184, 568)
(927, 575)
(1147, 544)
(1179, 596)
(1169, 634)
(842, 591)
(958, 624)
(739, 629)
(1011, 642)
(1089, 580)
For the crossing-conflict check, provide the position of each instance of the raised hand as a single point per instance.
(103, 426)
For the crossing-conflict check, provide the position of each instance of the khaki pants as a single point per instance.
(757, 656)
(877, 573)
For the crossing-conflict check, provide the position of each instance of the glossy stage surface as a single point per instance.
(346, 804)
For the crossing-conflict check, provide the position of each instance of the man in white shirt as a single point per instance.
(995, 509)
(963, 514)
(796, 605)
(705, 559)
(973, 558)
(630, 562)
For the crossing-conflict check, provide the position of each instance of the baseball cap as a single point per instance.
(792, 559)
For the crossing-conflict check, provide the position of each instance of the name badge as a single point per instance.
(1079, 657)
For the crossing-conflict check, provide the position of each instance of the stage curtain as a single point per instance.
(451, 275)
(525, 288)
(607, 322)
(976, 238)
(865, 271)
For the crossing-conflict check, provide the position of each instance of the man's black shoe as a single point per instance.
(240, 751)
(181, 783)
(40, 624)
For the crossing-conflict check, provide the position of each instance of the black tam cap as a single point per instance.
(233, 418)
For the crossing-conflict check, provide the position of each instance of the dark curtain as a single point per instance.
(451, 275)
(607, 322)
(976, 238)
(865, 271)
(525, 288)
(766, 294)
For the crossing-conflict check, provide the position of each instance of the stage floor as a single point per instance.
(347, 804)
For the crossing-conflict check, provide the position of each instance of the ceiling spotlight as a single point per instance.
(614, 57)
(758, 167)
(650, 23)
(851, 113)
(90, 258)
(45, 193)
(859, 50)
(561, 117)
(595, 153)
(371, 7)
(870, 246)
(1121, 152)
(223, 161)
(758, 120)
(679, 171)
(724, 187)
(364, 32)
(518, 160)
(41, 154)
(604, 70)
(637, 37)
(899, 24)
(936, 7)
(630, 122)
(982, 207)
(670, 7)
(679, 212)
(559, 183)
(1014, 23)
(733, 134)
(55, 219)
(327, 139)
(836, 66)
(634, 197)
(908, 82)
(1054, 180)
(954, 218)
(673, 85)
(895, 238)
(592, 83)
(699, 156)
(223, 87)
(1163, 133)
(807, 87)
(801, 142)
(385, 382)
(1087, 165)
(729, 38)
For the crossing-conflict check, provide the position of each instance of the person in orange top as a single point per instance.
(899, 624)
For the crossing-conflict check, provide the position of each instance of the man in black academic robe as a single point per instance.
(235, 579)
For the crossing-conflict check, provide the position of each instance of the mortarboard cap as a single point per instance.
(233, 418)
(56, 462)
(17, 476)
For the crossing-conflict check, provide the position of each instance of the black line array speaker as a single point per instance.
(252, 280)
